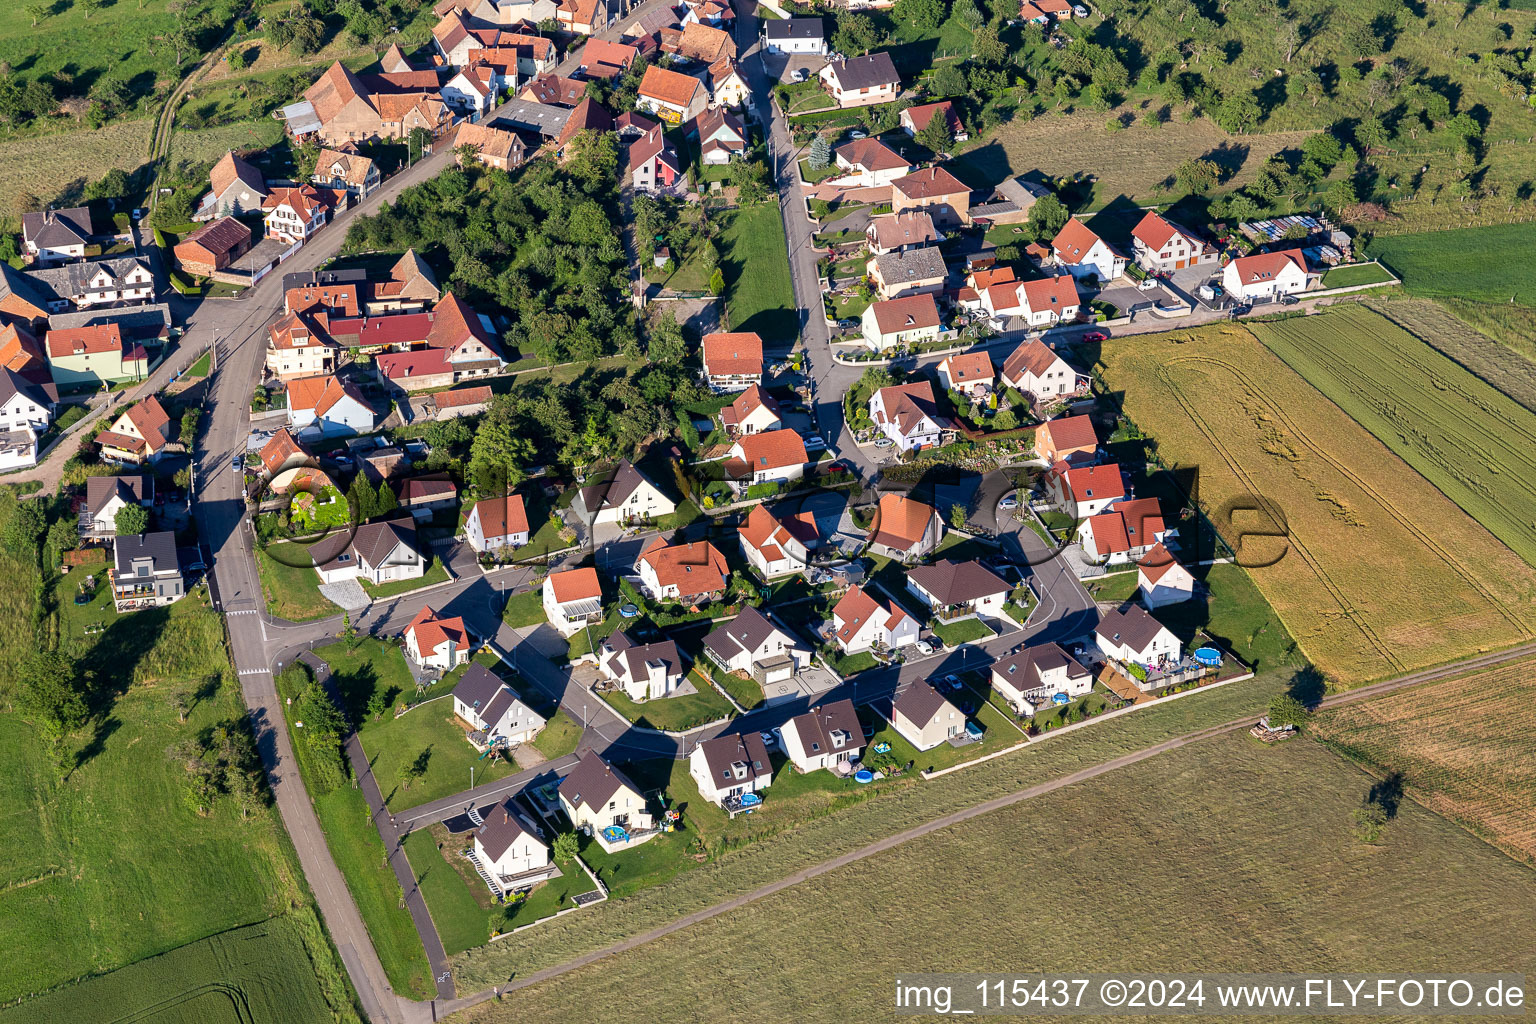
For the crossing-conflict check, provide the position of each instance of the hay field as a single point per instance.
(1498, 352)
(1464, 436)
(45, 165)
(1244, 858)
(1462, 745)
(1380, 572)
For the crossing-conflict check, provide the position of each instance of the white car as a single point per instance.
(1011, 501)
(884, 442)
(924, 647)
(1080, 11)
(815, 443)
(857, 134)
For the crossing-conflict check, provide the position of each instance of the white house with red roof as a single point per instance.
(1049, 301)
(1084, 254)
(869, 163)
(1125, 532)
(439, 643)
(1037, 371)
(1162, 580)
(139, 436)
(1084, 491)
(1265, 276)
(967, 373)
(1160, 245)
(496, 524)
(1066, 439)
(324, 406)
(688, 573)
(908, 414)
(573, 599)
(295, 214)
(909, 320)
(423, 498)
(775, 545)
(753, 412)
(773, 456)
(916, 119)
(907, 529)
(733, 360)
(862, 622)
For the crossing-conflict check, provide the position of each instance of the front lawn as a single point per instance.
(525, 609)
(1355, 275)
(812, 177)
(672, 714)
(746, 692)
(436, 573)
(851, 664)
(687, 512)
(651, 863)
(429, 740)
(200, 368)
(963, 632)
(559, 736)
(292, 592)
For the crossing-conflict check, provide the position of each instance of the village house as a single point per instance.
(1161, 580)
(345, 107)
(494, 147)
(967, 373)
(826, 735)
(958, 590)
(727, 768)
(507, 848)
(212, 247)
(139, 436)
(378, 553)
(893, 232)
(1085, 254)
(722, 137)
(795, 35)
(1036, 371)
(554, 90)
(732, 360)
(924, 717)
(516, 57)
(18, 448)
(1130, 636)
(698, 42)
(1011, 201)
(755, 646)
(906, 528)
(495, 715)
(752, 412)
(863, 622)
(727, 87)
(93, 356)
(598, 797)
(910, 320)
(916, 119)
(718, 13)
(436, 643)
(589, 116)
(653, 163)
(424, 498)
(778, 546)
(51, 235)
(769, 457)
(573, 599)
(670, 96)
(83, 285)
(1266, 276)
(105, 496)
(1083, 491)
(295, 214)
(861, 81)
(604, 60)
(146, 573)
(447, 405)
(1032, 678)
(642, 671)
(626, 497)
(296, 349)
(909, 272)
(25, 404)
(908, 414)
(688, 574)
(324, 406)
(1066, 439)
(1043, 12)
(582, 17)
(1161, 246)
(343, 171)
(869, 163)
(236, 188)
(497, 524)
(281, 453)
(21, 305)
(936, 192)
(1123, 533)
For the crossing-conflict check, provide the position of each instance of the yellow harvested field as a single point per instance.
(32, 164)
(1379, 572)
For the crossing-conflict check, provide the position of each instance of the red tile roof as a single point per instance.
(575, 585)
(501, 517)
(696, 568)
(1066, 434)
(910, 312)
(733, 353)
(79, 341)
(431, 631)
(1073, 242)
(903, 521)
(1267, 265)
(773, 449)
(930, 183)
(668, 87)
(1052, 293)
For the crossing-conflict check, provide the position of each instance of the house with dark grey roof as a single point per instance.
(826, 736)
(147, 573)
(377, 552)
(909, 272)
(25, 404)
(509, 849)
(958, 590)
(105, 496)
(1132, 637)
(82, 285)
(795, 35)
(861, 81)
(753, 645)
(495, 714)
(627, 496)
(1032, 678)
(643, 671)
(729, 767)
(597, 797)
(925, 718)
(56, 234)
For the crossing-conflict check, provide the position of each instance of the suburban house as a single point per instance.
(582, 17)
(958, 590)
(696, 41)
(596, 796)
(906, 528)
(25, 404)
(1132, 636)
(908, 415)
(495, 715)
(825, 735)
(869, 163)
(448, 405)
(653, 163)
(295, 214)
(554, 90)
(105, 496)
(1084, 491)
(470, 92)
(727, 768)
(296, 349)
(1266, 276)
(1085, 254)
(516, 56)
(1066, 439)
(236, 188)
(924, 718)
(916, 119)
(936, 192)
(83, 285)
(722, 137)
(967, 373)
(326, 407)
(497, 524)
(727, 88)
(693, 573)
(146, 573)
(862, 81)
(754, 646)
(494, 147)
(343, 171)
(643, 671)
(625, 497)
(795, 35)
(775, 546)
(212, 247)
(437, 643)
(573, 599)
(670, 96)
(138, 436)
(92, 356)
(733, 360)
(18, 448)
(1123, 533)
(1011, 201)
(508, 849)
(909, 272)
(1039, 373)
(377, 553)
(601, 59)
(56, 234)
(424, 498)
(863, 622)
(1162, 580)
(892, 232)
(909, 320)
(1160, 245)
(1045, 302)
(769, 457)
(1030, 679)
(752, 412)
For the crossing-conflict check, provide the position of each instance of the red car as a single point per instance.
(1095, 336)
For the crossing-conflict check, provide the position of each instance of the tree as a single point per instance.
(1238, 113)
(131, 520)
(50, 694)
(1322, 149)
(378, 703)
(988, 48)
(855, 33)
(1285, 709)
(363, 499)
(922, 14)
(1370, 823)
(414, 768)
(386, 501)
(1046, 219)
(566, 846)
(1196, 177)
(1371, 134)
(37, 10)
(189, 425)
(750, 180)
(181, 703)
(89, 7)
(936, 134)
(1340, 196)
(947, 81)
(28, 523)
(1007, 419)
(666, 340)
(821, 152)
(717, 282)
(957, 516)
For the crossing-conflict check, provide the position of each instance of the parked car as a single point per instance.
(1288, 300)
(924, 647)
(1010, 501)
(1095, 336)
(847, 324)
(938, 644)
(815, 443)
(769, 740)
(884, 442)
(1146, 284)
(953, 681)
(802, 74)
(1078, 10)
(238, 465)
(857, 134)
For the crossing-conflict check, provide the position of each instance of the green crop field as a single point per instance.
(1487, 339)
(1246, 856)
(1487, 264)
(1470, 440)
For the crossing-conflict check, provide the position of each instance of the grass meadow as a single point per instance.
(1485, 264)
(1378, 572)
(1461, 746)
(755, 260)
(1473, 442)
(1260, 869)
(1486, 339)
(46, 165)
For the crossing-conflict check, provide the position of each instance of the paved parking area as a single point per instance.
(348, 594)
